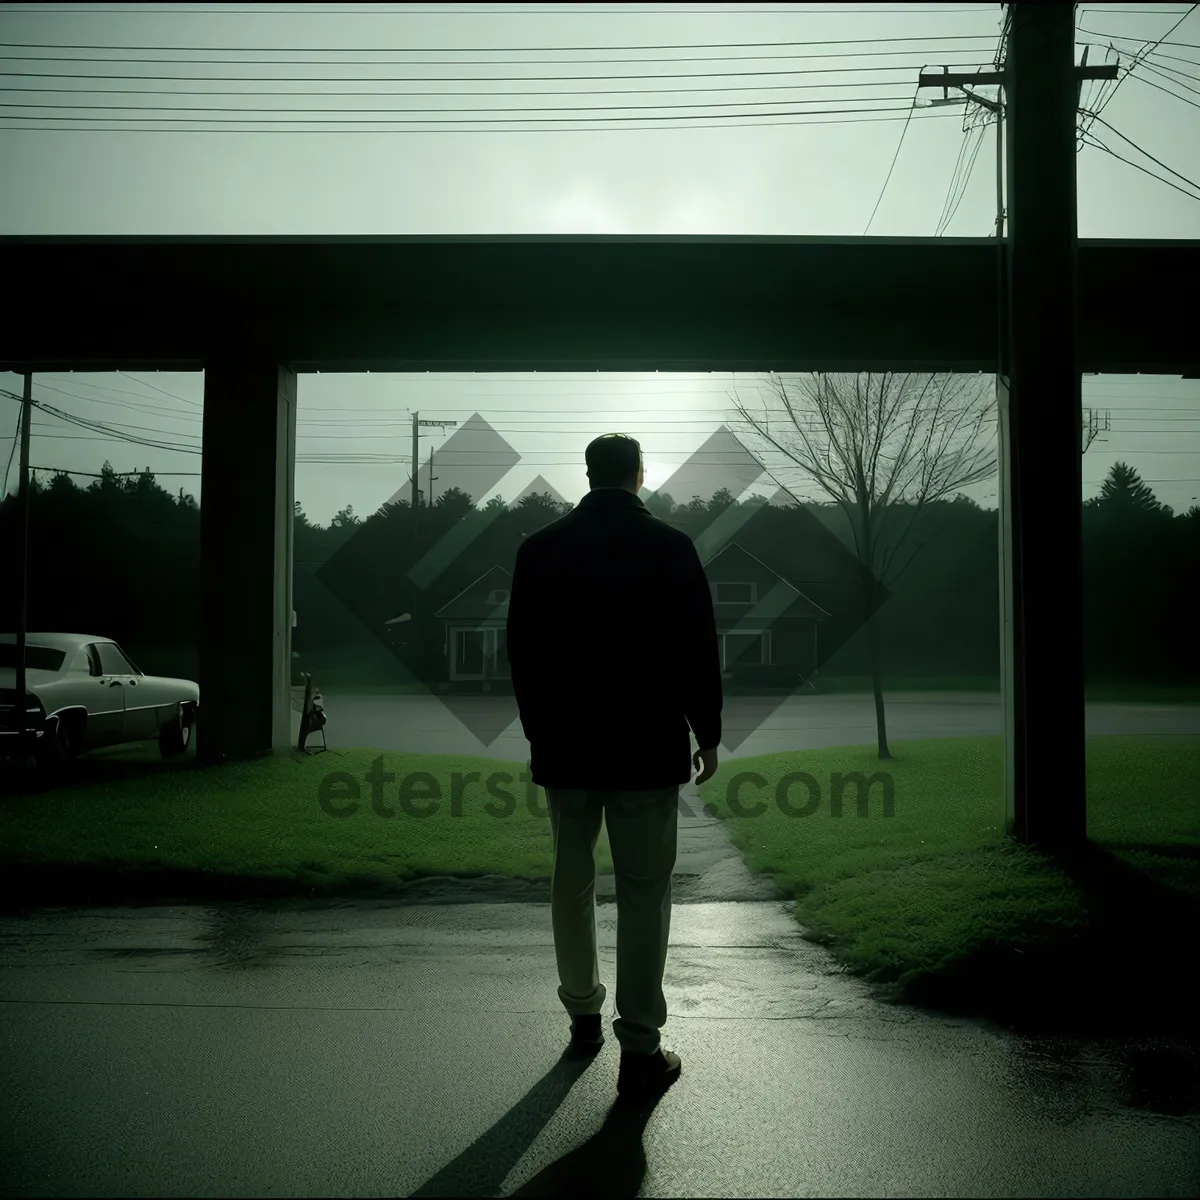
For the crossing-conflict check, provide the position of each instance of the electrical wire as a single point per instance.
(1176, 79)
(1151, 83)
(763, 87)
(957, 180)
(152, 387)
(549, 62)
(1139, 12)
(1159, 162)
(1092, 140)
(518, 108)
(1162, 66)
(948, 37)
(892, 167)
(486, 78)
(464, 79)
(278, 11)
(744, 117)
(966, 177)
(1138, 57)
(958, 161)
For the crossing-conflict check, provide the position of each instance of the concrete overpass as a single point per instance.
(253, 312)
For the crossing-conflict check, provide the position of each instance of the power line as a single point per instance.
(1157, 54)
(948, 37)
(959, 182)
(1189, 182)
(438, 62)
(570, 62)
(1172, 79)
(888, 176)
(472, 120)
(1151, 83)
(1138, 57)
(1140, 12)
(958, 161)
(279, 11)
(150, 386)
(1161, 65)
(119, 474)
(518, 108)
(762, 87)
(1092, 140)
(748, 124)
(966, 180)
(486, 78)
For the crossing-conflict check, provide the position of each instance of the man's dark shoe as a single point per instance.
(647, 1074)
(586, 1036)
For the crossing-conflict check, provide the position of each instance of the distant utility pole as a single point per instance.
(23, 561)
(1094, 425)
(417, 425)
(432, 477)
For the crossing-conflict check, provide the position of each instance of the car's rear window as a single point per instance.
(37, 658)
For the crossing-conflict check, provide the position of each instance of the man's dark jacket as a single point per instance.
(613, 648)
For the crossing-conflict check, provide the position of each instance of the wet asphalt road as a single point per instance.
(378, 1049)
(752, 726)
(381, 1048)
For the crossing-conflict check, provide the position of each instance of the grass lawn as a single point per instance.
(260, 826)
(933, 902)
(936, 904)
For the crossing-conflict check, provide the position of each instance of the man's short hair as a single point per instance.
(613, 460)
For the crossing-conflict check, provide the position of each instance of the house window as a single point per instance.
(468, 653)
(497, 596)
(479, 654)
(735, 593)
(745, 650)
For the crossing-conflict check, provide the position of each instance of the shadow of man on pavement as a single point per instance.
(610, 1163)
(480, 1170)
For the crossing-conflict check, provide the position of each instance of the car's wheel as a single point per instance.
(56, 747)
(176, 735)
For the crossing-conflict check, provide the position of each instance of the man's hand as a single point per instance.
(705, 762)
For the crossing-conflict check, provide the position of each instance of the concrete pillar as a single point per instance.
(1040, 463)
(246, 523)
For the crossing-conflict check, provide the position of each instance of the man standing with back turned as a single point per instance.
(613, 648)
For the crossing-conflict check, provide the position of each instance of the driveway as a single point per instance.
(803, 722)
(385, 1049)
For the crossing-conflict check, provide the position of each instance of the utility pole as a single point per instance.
(23, 562)
(1039, 421)
(417, 426)
(416, 456)
(1095, 425)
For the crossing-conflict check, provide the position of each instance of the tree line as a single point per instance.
(120, 557)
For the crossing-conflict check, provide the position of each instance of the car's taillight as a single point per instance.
(10, 712)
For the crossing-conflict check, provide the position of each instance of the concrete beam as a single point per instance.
(573, 303)
(246, 523)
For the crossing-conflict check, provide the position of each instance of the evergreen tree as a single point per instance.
(1123, 493)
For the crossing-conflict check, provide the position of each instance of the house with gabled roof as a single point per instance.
(767, 628)
(473, 624)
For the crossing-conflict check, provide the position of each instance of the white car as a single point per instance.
(83, 692)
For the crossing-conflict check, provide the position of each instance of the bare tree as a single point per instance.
(882, 446)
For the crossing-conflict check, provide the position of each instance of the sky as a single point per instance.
(747, 160)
